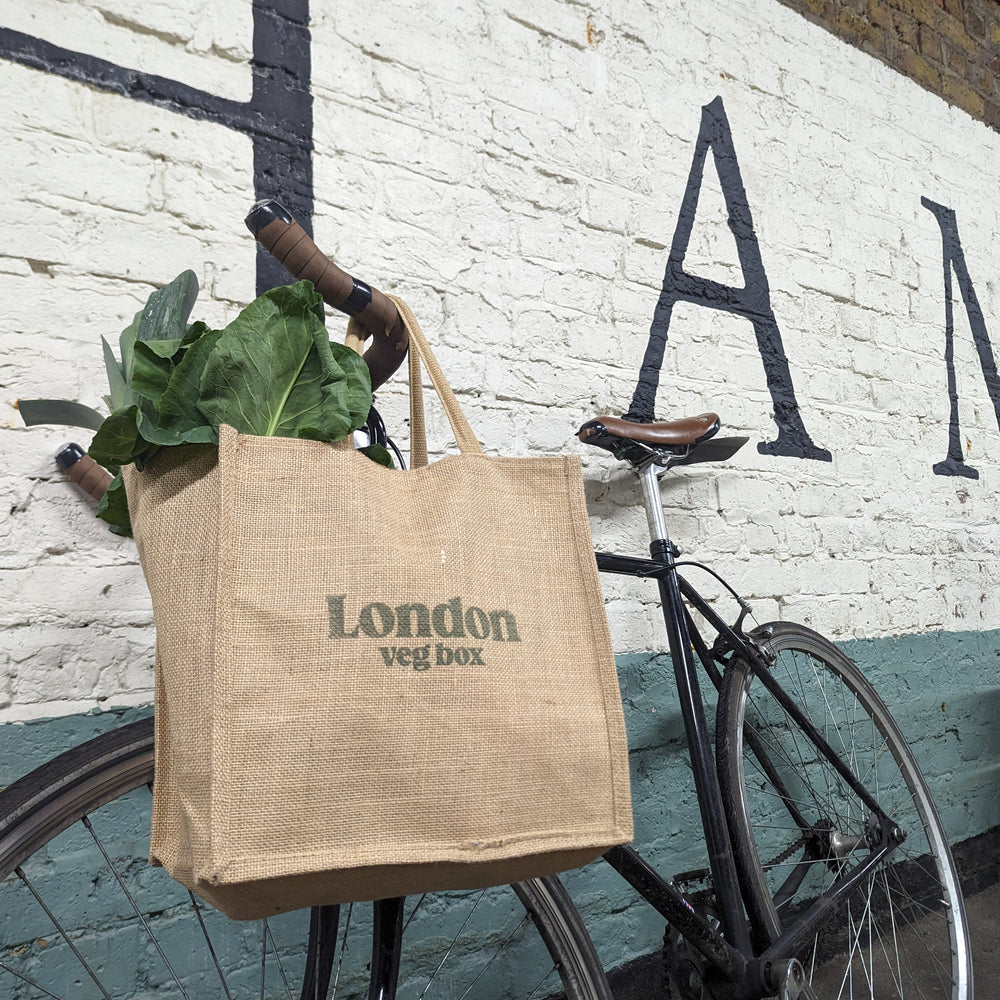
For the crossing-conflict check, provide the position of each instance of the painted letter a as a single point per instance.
(752, 302)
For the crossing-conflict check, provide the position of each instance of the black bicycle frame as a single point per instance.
(730, 952)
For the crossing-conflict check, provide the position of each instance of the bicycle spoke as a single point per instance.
(413, 912)
(31, 982)
(534, 993)
(38, 899)
(783, 754)
(343, 952)
(857, 931)
(493, 957)
(894, 937)
(913, 926)
(451, 946)
(263, 959)
(208, 942)
(277, 959)
(128, 895)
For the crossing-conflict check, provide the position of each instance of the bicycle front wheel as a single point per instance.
(797, 824)
(83, 914)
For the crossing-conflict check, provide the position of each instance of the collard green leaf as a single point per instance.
(150, 376)
(126, 345)
(258, 360)
(178, 406)
(347, 397)
(163, 321)
(167, 434)
(119, 394)
(195, 332)
(118, 441)
(59, 411)
(379, 454)
(272, 372)
(113, 508)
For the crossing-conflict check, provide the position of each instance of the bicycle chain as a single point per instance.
(785, 854)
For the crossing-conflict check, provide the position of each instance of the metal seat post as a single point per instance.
(649, 474)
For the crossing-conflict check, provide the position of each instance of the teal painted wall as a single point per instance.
(27, 745)
(944, 689)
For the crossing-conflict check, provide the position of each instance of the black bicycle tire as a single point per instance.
(779, 638)
(61, 792)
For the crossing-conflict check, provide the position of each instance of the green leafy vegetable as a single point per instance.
(379, 454)
(178, 406)
(272, 372)
(113, 508)
(118, 394)
(118, 441)
(308, 391)
(163, 322)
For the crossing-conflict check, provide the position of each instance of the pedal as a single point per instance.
(684, 880)
(684, 969)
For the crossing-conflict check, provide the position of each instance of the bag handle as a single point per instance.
(420, 350)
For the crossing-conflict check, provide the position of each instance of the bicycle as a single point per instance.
(829, 871)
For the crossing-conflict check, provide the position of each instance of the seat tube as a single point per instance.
(695, 724)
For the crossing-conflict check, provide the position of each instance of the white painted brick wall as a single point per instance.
(516, 170)
(206, 46)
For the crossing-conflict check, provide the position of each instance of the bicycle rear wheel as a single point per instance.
(796, 825)
(83, 914)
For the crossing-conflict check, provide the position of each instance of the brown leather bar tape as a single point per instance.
(81, 469)
(294, 249)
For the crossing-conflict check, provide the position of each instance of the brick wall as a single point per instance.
(951, 47)
(527, 174)
(520, 173)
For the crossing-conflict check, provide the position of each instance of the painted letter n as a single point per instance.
(954, 260)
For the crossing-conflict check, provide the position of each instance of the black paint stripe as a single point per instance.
(282, 83)
(148, 88)
(278, 117)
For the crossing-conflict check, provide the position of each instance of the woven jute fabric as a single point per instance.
(374, 682)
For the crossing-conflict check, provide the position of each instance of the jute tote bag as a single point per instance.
(375, 682)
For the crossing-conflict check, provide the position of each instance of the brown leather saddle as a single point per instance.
(669, 442)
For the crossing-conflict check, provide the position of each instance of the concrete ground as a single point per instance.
(978, 862)
(983, 910)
